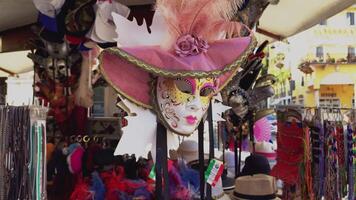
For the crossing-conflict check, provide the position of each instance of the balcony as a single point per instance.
(306, 66)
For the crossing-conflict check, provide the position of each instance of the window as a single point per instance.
(98, 109)
(330, 102)
(324, 22)
(320, 52)
(351, 18)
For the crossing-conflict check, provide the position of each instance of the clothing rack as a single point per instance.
(325, 161)
(22, 143)
(312, 107)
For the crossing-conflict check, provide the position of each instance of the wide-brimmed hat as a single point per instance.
(195, 48)
(49, 8)
(104, 29)
(255, 187)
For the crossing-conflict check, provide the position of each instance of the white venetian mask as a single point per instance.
(182, 102)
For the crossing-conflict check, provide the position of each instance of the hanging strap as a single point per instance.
(237, 161)
(240, 150)
(162, 183)
(211, 145)
(201, 159)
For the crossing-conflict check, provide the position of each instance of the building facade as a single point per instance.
(324, 63)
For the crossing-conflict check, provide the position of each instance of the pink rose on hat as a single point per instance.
(190, 45)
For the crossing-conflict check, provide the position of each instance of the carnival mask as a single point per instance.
(239, 102)
(182, 102)
(57, 71)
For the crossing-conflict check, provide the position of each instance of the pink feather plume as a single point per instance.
(199, 18)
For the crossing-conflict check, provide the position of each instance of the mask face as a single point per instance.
(58, 72)
(182, 102)
(239, 103)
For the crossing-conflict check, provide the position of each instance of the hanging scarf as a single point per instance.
(289, 153)
(350, 175)
(321, 159)
(341, 160)
(331, 181)
(308, 180)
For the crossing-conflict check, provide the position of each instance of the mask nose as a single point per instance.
(195, 104)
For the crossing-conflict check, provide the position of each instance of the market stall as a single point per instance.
(188, 117)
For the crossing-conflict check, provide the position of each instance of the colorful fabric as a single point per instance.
(289, 153)
(331, 168)
(350, 166)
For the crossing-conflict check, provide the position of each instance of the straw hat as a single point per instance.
(258, 186)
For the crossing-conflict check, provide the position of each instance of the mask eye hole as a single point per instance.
(207, 91)
(184, 85)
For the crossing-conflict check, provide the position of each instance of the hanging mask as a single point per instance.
(239, 101)
(183, 102)
(58, 71)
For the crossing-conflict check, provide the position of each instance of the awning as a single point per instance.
(290, 17)
(279, 21)
(15, 63)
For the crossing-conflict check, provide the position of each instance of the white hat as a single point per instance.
(188, 151)
(49, 7)
(265, 149)
(104, 29)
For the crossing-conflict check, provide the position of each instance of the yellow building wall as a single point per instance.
(335, 38)
(312, 83)
(320, 72)
(343, 92)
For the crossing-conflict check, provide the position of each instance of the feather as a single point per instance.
(84, 93)
(97, 186)
(198, 17)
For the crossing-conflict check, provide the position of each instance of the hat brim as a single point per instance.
(236, 198)
(129, 70)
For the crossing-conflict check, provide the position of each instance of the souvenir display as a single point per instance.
(23, 143)
(311, 158)
(168, 99)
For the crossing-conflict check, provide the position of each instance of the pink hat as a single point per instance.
(194, 49)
